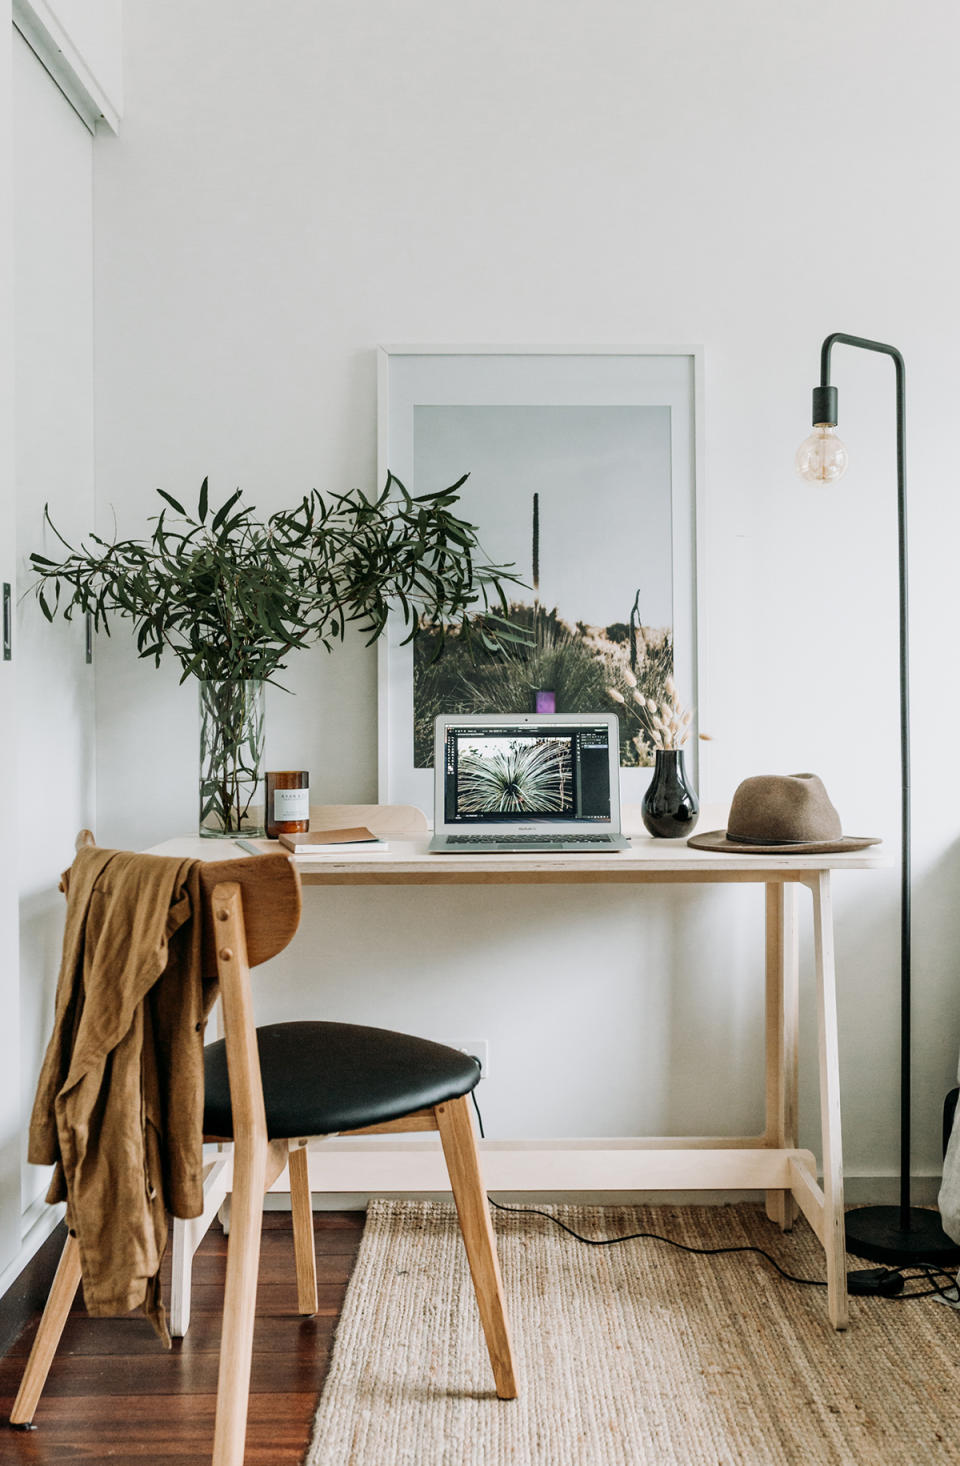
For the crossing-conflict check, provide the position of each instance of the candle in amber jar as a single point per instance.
(287, 809)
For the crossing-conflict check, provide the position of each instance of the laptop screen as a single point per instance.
(547, 772)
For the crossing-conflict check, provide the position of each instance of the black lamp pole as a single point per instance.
(893, 1234)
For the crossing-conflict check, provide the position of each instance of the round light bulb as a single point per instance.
(821, 458)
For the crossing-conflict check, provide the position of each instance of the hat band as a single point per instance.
(765, 840)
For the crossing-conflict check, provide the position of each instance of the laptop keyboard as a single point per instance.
(515, 840)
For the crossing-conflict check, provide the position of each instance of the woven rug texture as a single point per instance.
(635, 1355)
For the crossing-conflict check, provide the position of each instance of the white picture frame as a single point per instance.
(647, 401)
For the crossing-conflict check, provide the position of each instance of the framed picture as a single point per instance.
(582, 470)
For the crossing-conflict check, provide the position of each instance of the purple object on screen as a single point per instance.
(546, 702)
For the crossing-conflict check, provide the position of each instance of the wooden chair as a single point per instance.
(270, 1092)
(386, 820)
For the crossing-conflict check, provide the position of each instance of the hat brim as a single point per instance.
(717, 840)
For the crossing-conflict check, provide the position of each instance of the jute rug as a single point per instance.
(637, 1355)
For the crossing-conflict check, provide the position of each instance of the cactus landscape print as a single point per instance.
(579, 500)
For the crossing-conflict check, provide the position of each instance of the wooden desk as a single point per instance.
(769, 1162)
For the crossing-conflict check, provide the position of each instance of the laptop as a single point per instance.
(527, 781)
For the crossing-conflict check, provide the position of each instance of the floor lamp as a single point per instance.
(892, 1234)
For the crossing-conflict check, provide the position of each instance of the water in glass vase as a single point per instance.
(231, 753)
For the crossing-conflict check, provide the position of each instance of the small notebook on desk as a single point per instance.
(321, 842)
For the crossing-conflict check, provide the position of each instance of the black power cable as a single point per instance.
(657, 1237)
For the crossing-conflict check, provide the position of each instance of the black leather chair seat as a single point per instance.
(323, 1077)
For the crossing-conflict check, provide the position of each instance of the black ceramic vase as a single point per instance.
(670, 807)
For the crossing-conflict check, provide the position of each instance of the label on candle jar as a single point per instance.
(291, 804)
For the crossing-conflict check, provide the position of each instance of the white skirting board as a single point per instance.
(38, 1222)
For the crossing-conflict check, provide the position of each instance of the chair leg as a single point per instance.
(239, 1303)
(463, 1165)
(62, 1293)
(181, 1276)
(304, 1246)
(186, 1238)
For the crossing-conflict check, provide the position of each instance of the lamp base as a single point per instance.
(875, 1232)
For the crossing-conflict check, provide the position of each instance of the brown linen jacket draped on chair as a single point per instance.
(119, 1105)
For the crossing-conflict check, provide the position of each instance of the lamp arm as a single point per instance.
(828, 399)
(864, 343)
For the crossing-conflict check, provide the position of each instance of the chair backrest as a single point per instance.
(380, 819)
(270, 893)
(271, 897)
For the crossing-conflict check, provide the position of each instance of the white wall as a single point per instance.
(281, 200)
(94, 27)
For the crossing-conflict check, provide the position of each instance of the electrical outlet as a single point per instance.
(479, 1048)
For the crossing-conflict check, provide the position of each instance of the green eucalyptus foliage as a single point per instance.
(230, 595)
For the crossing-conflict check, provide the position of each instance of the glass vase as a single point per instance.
(231, 753)
(670, 807)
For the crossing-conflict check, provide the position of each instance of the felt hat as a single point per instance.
(782, 813)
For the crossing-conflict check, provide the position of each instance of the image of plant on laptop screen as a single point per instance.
(515, 776)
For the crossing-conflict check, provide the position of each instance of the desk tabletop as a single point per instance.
(405, 861)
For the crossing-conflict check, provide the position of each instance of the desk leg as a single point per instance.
(782, 1008)
(833, 1232)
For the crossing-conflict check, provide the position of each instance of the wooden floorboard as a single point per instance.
(114, 1394)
